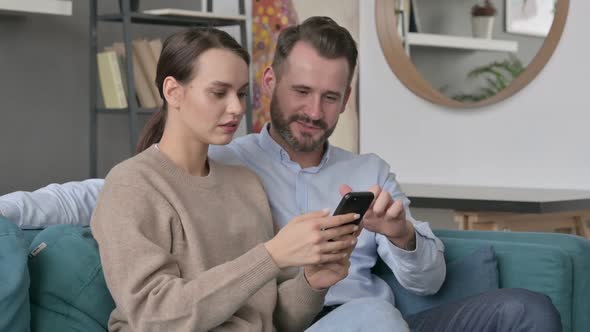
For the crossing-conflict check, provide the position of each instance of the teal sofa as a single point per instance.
(557, 265)
(68, 292)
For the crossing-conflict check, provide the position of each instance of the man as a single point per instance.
(309, 82)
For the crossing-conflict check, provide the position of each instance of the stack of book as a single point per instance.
(112, 74)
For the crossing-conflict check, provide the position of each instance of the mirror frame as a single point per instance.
(407, 73)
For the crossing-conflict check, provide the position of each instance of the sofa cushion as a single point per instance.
(472, 274)
(68, 291)
(14, 285)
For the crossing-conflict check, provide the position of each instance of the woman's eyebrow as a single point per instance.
(221, 84)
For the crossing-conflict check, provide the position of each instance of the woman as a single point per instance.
(187, 244)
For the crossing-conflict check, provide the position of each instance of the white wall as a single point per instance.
(538, 138)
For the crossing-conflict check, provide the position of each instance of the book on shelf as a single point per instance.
(142, 89)
(112, 85)
(148, 62)
(123, 72)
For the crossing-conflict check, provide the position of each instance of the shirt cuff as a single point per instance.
(9, 211)
(388, 250)
(394, 251)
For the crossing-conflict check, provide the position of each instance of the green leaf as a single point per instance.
(497, 76)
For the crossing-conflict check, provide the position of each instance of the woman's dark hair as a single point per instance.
(177, 59)
(322, 33)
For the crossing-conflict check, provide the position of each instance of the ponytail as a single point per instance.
(152, 131)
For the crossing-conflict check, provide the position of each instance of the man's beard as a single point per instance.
(306, 143)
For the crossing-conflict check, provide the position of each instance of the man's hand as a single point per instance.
(388, 217)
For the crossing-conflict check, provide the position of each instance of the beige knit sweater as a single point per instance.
(186, 253)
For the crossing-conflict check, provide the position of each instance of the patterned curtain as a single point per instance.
(269, 17)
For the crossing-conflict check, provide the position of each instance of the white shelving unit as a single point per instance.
(192, 13)
(465, 43)
(53, 7)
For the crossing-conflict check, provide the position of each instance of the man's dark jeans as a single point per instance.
(514, 310)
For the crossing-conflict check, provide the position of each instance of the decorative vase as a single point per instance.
(133, 4)
(482, 26)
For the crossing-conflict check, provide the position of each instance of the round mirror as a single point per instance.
(468, 53)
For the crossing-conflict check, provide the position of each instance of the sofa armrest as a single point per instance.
(14, 279)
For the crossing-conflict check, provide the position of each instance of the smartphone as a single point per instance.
(355, 202)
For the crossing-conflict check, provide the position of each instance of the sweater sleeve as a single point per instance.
(298, 304)
(135, 230)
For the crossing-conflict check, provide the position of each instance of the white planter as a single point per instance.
(482, 26)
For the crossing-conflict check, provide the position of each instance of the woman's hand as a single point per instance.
(306, 240)
(322, 276)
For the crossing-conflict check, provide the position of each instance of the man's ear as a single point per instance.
(346, 98)
(173, 92)
(269, 81)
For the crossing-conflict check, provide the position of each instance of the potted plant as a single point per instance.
(497, 75)
(482, 19)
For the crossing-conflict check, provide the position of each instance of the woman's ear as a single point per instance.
(173, 92)
(268, 81)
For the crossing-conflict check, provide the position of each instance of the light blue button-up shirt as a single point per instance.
(293, 191)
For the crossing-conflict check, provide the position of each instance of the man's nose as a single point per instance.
(314, 109)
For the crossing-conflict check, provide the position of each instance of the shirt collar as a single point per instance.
(277, 152)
